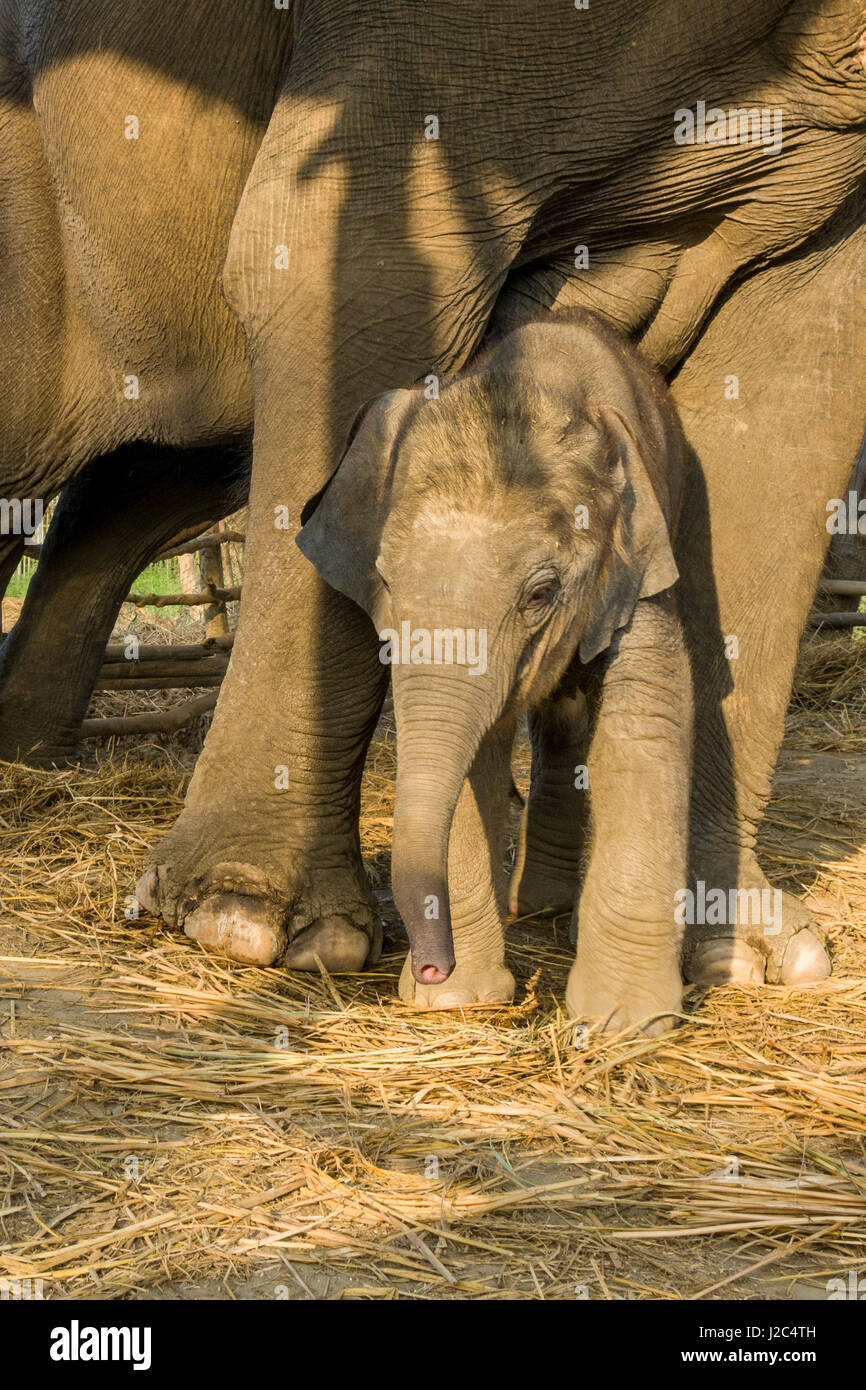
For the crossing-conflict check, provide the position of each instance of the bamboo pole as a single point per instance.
(855, 587)
(190, 600)
(163, 721)
(178, 682)
(189, 582)
(201, 542)
(131, 670)
(117, 651)
(210, 563)
(837, 619)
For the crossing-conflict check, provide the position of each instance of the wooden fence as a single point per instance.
(167, 667)
(203, 664)
(853, 588)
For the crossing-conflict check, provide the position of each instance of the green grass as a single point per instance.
(17, 586)
(162, 577)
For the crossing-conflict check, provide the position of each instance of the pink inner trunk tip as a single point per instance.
(431, 975)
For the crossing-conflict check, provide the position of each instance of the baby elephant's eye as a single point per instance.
(541, 595)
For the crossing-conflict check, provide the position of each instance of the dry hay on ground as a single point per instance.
(172, 1125)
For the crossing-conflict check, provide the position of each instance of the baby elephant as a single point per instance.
(511, 542)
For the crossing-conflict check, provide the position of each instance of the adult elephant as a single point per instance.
(128, 135)
(421, 171)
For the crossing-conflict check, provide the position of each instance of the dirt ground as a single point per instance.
(176, 1126)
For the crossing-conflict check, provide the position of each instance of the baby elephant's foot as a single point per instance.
(789, 952)
(468, 983)
(617, 1004)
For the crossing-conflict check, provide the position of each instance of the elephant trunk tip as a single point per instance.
(430, 974)
(432, 951)
(430, 938)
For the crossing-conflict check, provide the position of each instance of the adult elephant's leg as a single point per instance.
(108, 523)
(627, 971)
(772, 399)
(555, 819)
(476, 885)
(348, 283)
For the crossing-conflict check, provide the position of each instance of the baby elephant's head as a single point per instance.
(493, 534)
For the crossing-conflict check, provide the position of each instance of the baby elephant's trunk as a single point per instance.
(441, 719)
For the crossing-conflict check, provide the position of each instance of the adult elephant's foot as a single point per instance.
(550, 847)
(542, 884)
(34, 735)
(476, 982)
(341, 943)
(239, 925)
(237, 910)
(547, 867)
(538, 891)
(784, 948)
(616, 1004)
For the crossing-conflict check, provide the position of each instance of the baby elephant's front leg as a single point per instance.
(476, 886)
(627, 972)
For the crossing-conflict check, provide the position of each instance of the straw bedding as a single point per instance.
(173, 1125)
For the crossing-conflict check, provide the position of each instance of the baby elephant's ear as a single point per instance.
(642, 562)
(342, 525)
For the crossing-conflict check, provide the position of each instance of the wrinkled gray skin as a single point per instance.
(466, 512)
(283, 242)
